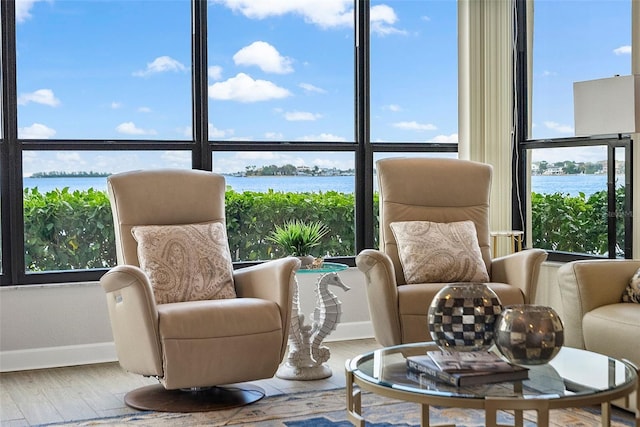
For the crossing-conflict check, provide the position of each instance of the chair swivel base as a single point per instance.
(157, 398)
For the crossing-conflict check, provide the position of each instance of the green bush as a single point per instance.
(574, 223)
(67, 230)
(74, 230)
(252, 216)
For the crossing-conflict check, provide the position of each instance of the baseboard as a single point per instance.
(86, 354)
(55, 357)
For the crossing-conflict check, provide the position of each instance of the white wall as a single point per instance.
(67, 324)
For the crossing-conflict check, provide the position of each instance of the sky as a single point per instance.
(279, 70)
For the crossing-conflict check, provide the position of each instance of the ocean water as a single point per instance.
(566, 184)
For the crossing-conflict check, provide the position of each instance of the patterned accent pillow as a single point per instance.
(632, 292)
(432, 252)
(186, 262)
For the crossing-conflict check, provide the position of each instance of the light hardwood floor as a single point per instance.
(30, 398)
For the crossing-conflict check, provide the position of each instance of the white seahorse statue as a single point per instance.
(299, 336)
(326, 315)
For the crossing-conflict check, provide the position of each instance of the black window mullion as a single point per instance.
(12, 206)
(628, 202)
(364, 214)
(521, 120)
(611, 201)
(201, 158)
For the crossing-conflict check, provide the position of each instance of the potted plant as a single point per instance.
(298, 238)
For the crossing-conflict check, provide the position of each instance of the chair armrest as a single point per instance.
(134, 319)
(273, 281)
(588, 284)
(520, 269)
(382, 295)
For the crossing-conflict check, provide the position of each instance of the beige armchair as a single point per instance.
(195, 345)
(441, 191)
(594, 316)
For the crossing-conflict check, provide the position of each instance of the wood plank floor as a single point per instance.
(30, 398)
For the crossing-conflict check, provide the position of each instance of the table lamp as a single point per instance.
(607, 106)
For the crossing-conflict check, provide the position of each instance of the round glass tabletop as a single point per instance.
(571, 373)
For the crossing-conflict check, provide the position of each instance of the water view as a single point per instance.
(544, 184)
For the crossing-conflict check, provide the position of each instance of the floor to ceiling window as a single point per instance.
(280, 82)
(277, 97)
(284, 98)
(414, 79)
(577, 184)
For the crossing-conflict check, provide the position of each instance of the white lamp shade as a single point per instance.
(607, 106)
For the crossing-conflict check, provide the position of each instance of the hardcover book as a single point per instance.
(465, 377)
(456, 361)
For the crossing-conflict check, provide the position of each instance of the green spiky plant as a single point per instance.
(297, 237)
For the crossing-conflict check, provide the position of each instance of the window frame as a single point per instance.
(202, 149)
(520, 163)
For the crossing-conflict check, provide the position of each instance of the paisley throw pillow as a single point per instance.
(632, 292)
(186, 262)
(432, 252)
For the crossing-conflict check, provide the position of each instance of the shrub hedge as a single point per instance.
(67, 230)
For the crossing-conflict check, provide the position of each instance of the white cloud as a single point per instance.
(176, 158)
(547, 73)
(257, 155)
(414, 126)
(115, 105)
(273, 135)
(622, 50)
(244, 88)
(216, 133)
(161, 64)
(214, 72)
(308, 87)
(392, 107)
(323, 13)
(144, 110)
(129, 128)
(558, 127)
(322, 137)
(40, 96)
(69, 157)
(264, 56)
(297, 116)
(446, 139)
(36, 131)
(23, 9)
(382, 18)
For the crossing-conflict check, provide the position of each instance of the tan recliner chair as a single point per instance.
(436, 190)
(191, 345)
(594, 316)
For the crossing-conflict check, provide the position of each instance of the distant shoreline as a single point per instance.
(39, 175)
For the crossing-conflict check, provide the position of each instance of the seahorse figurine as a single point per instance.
(326, 315)
(299, 335)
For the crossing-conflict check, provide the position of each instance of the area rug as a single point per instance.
(327, 409)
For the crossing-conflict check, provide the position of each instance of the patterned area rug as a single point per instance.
(327, 409)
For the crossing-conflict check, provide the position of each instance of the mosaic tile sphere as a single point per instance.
(528, 334)
(462, 316)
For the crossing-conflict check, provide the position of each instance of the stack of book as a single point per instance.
(465, 368)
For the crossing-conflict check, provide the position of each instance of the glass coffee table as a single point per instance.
(574, 378)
